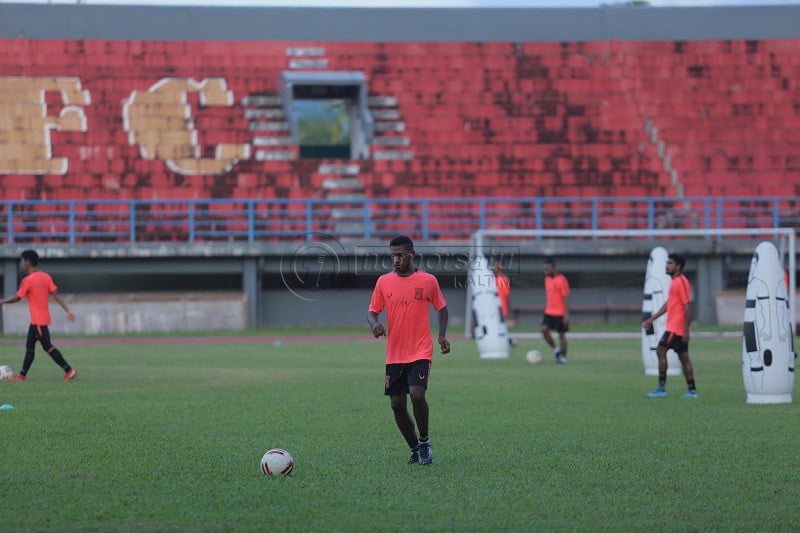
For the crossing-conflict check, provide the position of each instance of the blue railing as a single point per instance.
(252, 220)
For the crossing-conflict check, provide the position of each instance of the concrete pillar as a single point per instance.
(10, 281)
(709, 282)
(10, 273)
(251, 286)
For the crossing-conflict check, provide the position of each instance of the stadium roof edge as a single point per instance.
(181, 23)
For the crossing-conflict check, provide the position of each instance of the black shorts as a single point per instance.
(555, 322)
(674, 342)
(399, 377)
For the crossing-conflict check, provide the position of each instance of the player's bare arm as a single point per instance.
(688, 310)
(444, 316)
(649, 322)
(566, 311)
(63, 304)
(376, 327)
(11, 300)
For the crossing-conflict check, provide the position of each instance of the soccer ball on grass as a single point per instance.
(277, 462)
(533, 357)
(6, 373)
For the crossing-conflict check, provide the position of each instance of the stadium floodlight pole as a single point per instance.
(478, 238)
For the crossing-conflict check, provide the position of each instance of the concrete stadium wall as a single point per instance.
(108, 314)
(149, 313)
(603, 276)
(730, 308)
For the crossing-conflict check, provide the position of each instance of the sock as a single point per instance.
(690, 383)
(423, 440)
(662, 380)
(28, 361)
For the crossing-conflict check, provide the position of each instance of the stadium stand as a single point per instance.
(144, 120)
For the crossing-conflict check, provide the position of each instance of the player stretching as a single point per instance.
(556, 310)
(406, 294)
(37, 285)
(676, 336)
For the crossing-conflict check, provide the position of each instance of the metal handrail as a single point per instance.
(252, 220)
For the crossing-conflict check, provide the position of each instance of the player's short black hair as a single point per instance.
(678, 258)
(31, 256)
(403, 241)
(549, 261)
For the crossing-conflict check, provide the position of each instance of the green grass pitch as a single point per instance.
(168, 437)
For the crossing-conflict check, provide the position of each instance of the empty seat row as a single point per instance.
(535, 118)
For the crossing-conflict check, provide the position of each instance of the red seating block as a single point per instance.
(589, 119)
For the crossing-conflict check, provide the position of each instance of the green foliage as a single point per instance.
(155, 437)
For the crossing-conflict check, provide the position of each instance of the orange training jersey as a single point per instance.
(680, 294)
(503, 291)
(556, 290)
(407, 301)
(37, 287)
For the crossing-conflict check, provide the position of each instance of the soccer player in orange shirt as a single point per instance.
(676, 335)
(407, 294)
(503, 288)
(37, 286)
(503, 285)
(556, 310)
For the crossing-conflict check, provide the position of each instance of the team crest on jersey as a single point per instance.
(418, 294)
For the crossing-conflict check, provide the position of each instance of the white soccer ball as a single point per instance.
(533, 357)
(6, 373)
(277, 462)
